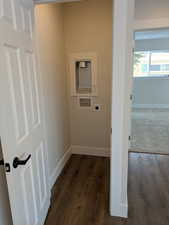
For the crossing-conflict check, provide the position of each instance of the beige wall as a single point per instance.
(50, 39)
(88, 28)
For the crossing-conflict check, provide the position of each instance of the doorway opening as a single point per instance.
(150, 106)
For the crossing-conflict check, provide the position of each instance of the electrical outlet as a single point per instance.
(97, 107)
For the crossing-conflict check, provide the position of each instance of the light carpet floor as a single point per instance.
(150, 131)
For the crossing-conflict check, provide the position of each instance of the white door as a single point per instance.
(21, 115)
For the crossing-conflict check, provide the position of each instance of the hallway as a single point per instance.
(80, 196)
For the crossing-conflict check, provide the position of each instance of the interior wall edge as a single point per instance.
(52, 67)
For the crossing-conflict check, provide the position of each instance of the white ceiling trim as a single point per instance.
(54, 1)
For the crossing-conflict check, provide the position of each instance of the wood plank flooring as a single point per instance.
(81, 194)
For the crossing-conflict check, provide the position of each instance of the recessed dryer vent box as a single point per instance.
(83, 74)
(85, 102)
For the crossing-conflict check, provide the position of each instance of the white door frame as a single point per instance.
(123, 23)
(123, 43)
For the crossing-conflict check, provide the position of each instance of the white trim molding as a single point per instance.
(150, 106)
(123, 11)
(152, 78)
(93, 151)
(79, 150)
(151, 24)
(124, 210)
(59, 167)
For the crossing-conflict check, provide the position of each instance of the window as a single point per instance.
(151, 63)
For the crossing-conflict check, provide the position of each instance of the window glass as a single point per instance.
(151, 63)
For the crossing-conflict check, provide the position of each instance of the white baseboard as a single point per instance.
(93, 151)
(59, 167)
(80, 150)
(124, 210)
(121, 211)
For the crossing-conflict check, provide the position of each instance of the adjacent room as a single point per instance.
(150, 108)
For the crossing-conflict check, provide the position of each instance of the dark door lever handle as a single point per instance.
(17, 162)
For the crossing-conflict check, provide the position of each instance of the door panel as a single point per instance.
(21, 115)
(29, 198)
(15, 83)
(27, 20)
(6, 12)
(33, 89)
(42, 188)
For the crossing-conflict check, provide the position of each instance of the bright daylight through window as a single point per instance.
(151, 63)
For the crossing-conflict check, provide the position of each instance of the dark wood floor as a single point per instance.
(81, 194)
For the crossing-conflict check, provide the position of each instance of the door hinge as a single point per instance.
(1, 162)
(6, 165)
(7, 168)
